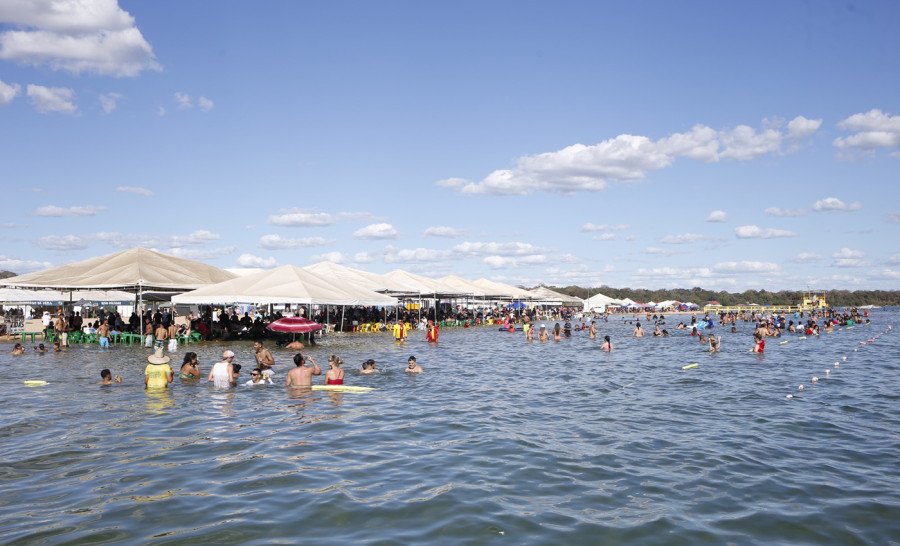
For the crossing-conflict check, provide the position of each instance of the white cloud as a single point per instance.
(589, 227)
(415, 255)
(274, 242)
(604, 237)
(756, 232)
(684, 238)
(204, 253)
(443, 231)
(47, 100)
(8, 92)
(335, 257)
(205, 104)
(783, 213)
(499, 262)
(250, 260)
(199, 237)
(109, 102)
(834, 204)
(893, 217)
(161, 111)
(806, 257)
(21, 266)
(717, 216)
(377, 231)
(363, 258)
(627, 157)
(62, 242)
(301, 218)
(137, 190)
(801, 127)
(183, 100)
(894, 259)
(123, 240)
(846, 257)
(501, 249)
(871, 130)
(885, 274)
(53, 210)
(745, 267)
(656, 250)
(76, 36)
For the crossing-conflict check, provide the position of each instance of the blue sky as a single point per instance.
(641, 144)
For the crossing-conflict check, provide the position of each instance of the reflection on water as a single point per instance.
(498, 440)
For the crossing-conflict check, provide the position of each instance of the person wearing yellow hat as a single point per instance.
(158, 374)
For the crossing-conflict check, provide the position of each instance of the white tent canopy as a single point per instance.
(344, 274)
(599, 301)
(407, 283)
(462, 285)
(19, 296)
(504, 290)
(543, 295)
(285, 284)
(135, 269)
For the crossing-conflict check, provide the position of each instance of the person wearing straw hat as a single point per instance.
(158, 374)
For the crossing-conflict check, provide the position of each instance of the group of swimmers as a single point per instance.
(226, 373)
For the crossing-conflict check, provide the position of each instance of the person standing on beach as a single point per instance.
(301, 376)
(264, 359)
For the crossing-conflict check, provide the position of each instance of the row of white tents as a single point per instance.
(143, 273)
(600, 303)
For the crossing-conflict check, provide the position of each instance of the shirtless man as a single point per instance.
(103, 334)
(412, 366)
(172, 334)
(301, 376)
(638, 331)
(593, 330)
(61, 328)
(161, 334)
(264, 359)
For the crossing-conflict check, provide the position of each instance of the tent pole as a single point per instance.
(343, 310)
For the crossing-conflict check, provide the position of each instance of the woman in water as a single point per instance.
(368, 367)
(334, 376)
(18, 349)
(190, 370)
(557, 331)
(607, 344)
(760, 345)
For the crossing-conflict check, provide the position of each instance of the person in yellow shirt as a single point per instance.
(158, 374)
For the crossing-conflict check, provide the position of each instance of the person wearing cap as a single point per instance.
(158, 374)
(412, 366)
(222, 373)
(543, 335)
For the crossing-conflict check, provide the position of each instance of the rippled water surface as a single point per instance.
(498, 442)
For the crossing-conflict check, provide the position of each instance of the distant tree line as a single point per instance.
(700, 296)
(6, 274)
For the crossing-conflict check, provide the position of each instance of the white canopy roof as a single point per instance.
(343, 274)
(410, 283)
(285, 284)
(542, 294)
(500, 289)
(21, 296)
(462, 285)
(137, 268)
(600, 301)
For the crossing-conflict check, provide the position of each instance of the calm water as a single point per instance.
(498, 442)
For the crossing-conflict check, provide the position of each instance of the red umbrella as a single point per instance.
(294, 325)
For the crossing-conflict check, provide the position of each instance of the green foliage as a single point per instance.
(7, 274)
(700, 296)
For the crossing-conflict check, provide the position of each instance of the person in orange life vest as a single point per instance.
(431, 333)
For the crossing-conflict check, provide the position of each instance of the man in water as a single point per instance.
(107, 377)
(264, 359)
(103, 334)
(412, 366)
(593, 330)
(301, 376)
(368, 367)
(161, 335)
(222, 372)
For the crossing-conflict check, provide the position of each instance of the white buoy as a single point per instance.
(827, 373)
(800, 388)
(789, 396)
(815, 379)
(837, 364)
(844, 359)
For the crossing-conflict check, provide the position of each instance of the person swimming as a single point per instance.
(368, 367)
